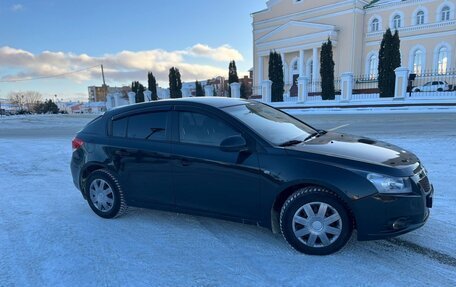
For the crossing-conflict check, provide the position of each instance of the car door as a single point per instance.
(207, 179)
(143, 156)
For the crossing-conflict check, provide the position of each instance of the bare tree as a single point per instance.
(25, 100)
(31, 99)
(17, 99)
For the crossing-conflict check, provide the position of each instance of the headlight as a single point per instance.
(388, 184)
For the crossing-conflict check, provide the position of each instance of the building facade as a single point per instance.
(297, 28)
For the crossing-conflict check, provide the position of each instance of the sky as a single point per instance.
(42, 38)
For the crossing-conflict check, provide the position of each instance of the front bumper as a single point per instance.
(382, 216)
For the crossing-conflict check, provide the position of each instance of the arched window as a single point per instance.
(295, 65)
(420, 17)
(397, 22)
(309, 69)
(445, 13)
(418, 62)
(442, 60)
(375, 24)
(372, 67)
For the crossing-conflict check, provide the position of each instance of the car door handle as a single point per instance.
(185, 162)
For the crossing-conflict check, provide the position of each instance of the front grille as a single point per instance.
(425, 184)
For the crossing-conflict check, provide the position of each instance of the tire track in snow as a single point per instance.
(432, 254)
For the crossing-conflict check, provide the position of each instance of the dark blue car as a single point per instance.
(246, 161)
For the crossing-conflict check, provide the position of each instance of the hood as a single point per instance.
(359, 149)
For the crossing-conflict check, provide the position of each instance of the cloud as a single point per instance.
(121, 67)
(17, 7)
(222, 53)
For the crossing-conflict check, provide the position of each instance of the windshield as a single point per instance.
(273, 125)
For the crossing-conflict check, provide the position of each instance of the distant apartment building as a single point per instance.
(99, 94)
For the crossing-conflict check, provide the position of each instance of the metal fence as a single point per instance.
(430, 83)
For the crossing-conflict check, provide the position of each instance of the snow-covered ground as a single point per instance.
(50, 237)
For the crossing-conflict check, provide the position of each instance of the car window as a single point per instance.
(435, 83)
(119, 127)
(273, 125)
(197, 128)
(427, 84)
(148, 126)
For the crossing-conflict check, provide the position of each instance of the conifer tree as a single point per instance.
(152, 85)
(243, 90)
(175, 83)
(389, 60)
(199, 91)
(327, 71)
(276, 76)
(138, 89)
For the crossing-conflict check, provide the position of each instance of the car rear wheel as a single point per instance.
(439, 90)
(105, 196)
(314, 221)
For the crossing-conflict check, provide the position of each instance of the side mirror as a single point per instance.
(233, 144)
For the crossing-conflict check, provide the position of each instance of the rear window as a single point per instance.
(96, 126)
(148, 126)
(119, 127)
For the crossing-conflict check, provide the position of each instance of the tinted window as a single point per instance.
(273, 125)
(150, 126)
(119, 127)
(197, 128)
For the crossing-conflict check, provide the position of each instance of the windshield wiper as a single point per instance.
(315, 134)
(290, 143)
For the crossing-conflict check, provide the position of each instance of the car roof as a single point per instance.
(216, 102)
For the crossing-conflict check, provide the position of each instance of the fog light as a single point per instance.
(400, 223)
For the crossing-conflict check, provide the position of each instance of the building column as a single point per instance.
(400, 89)
(301, 63)
(260, 70)
(315, 64)
(302, 80)
(285, 68)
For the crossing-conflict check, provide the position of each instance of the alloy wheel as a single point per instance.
(317, 224)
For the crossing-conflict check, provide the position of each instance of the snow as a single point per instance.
(373, 110)
(50, 237)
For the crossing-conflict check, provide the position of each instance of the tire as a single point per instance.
(319, 236)
(104, 194)
(439, 90)
(417, 90)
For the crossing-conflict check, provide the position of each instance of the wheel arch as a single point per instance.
(287, 191)
(88, 169)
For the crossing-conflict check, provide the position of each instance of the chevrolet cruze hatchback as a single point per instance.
(246, 161)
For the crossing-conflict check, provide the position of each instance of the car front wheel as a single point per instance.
(314, 221)
(105, 196)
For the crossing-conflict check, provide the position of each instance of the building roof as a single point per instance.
(374, 3)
